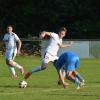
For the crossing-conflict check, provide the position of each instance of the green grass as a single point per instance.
(43, 85)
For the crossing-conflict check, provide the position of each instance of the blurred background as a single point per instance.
(29, 17)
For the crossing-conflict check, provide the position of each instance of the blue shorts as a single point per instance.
(71, 64)
(9, 54)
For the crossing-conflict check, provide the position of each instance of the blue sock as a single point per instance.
(39, 68)
(77, 82)
(79, 77)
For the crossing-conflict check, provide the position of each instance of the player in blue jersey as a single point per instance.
(10, 39)
(69, 61)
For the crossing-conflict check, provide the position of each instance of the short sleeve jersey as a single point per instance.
(53, 46)
(10, 40)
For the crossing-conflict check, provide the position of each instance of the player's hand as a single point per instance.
(65, 85)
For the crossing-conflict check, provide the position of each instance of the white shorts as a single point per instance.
(15, 51)
(9, 54)
(47, 57)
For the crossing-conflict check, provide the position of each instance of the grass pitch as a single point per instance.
(43, 85)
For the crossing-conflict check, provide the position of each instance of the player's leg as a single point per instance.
(13, 72)
(10, 62)
(38, 68)
(73, 79)
(18, 66)
(8, 55)
(70, 67)
(46, 59)
(76, 73)
(14, 64)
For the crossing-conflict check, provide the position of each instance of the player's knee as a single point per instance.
(44, 65)
(43, 68)
(8, 62)
(73, 73)
(68, 77)
(69, 74)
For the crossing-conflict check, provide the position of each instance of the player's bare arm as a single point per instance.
(61, 78)
(19, 46)
(65, 45)
(44, 33)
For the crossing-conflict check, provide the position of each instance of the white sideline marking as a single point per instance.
(46, 90)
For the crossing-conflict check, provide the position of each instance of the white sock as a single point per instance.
(12, 69)
(17, 65)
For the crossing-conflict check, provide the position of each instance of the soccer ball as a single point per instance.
(22, 84)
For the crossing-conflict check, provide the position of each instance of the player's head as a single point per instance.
(62, 32)
(9, 28)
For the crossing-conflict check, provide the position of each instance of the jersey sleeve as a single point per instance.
(53, 35)
(16, 37)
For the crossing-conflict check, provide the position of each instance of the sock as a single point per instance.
(17, 65)
(39, 68)
(72, 80)
(77, 81)
(12, 69)
(79, 77)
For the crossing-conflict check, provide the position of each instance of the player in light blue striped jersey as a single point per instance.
(10, 41)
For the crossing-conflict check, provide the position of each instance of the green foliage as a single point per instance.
(33, 16)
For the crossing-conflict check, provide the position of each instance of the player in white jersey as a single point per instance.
(10, 39)
(50, 53)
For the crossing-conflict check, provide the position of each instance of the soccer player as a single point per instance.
(69, 61)
(10, 39)
(50, 53)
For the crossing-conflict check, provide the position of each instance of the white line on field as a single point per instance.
(46, 90)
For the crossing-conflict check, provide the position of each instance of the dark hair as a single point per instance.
(63, 29)
(10, 26)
